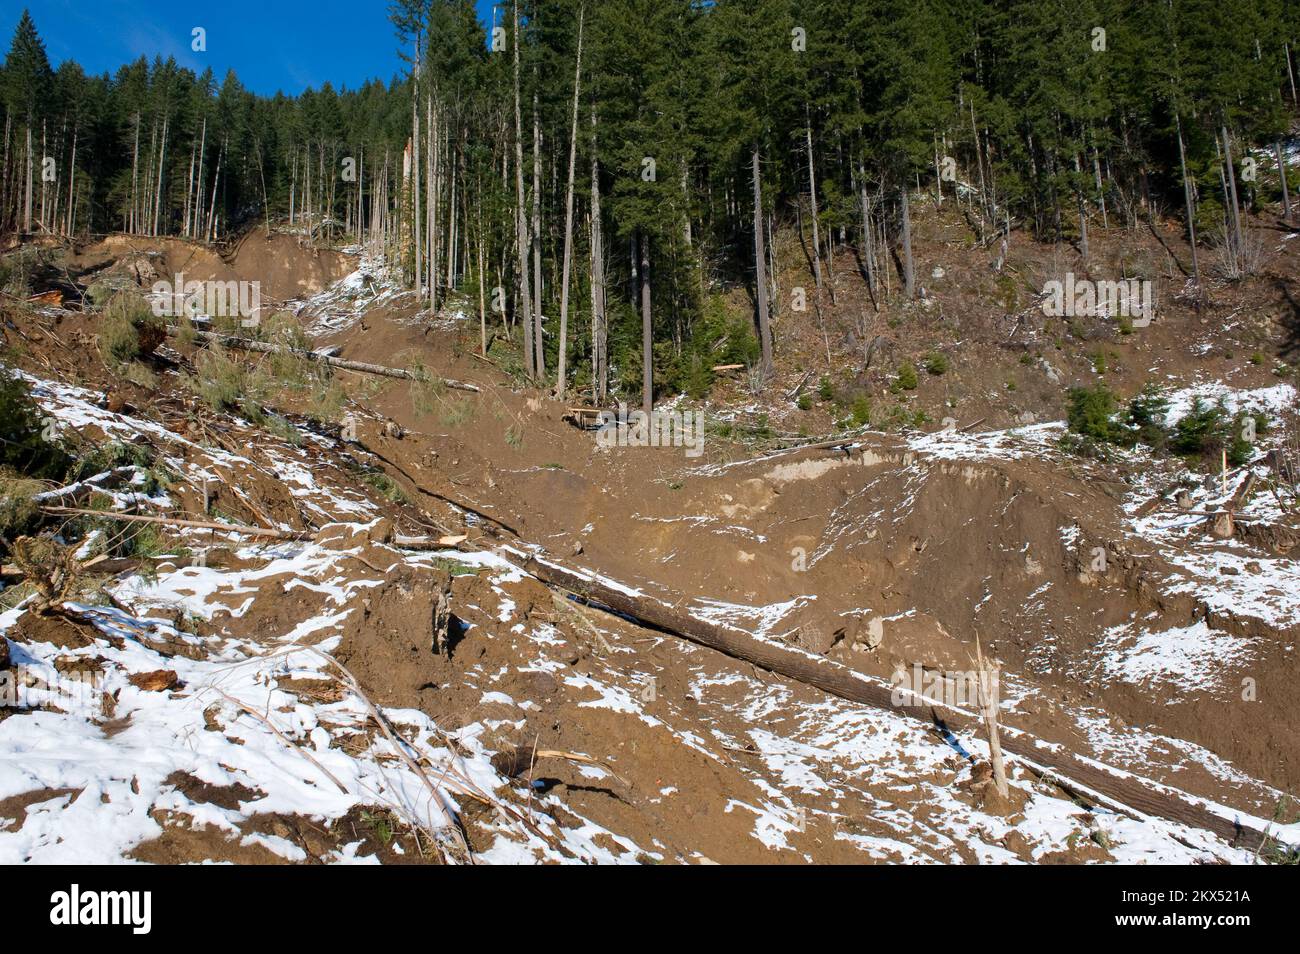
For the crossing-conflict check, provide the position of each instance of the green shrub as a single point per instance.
(935, 362)
(129, 330)
(861, 410)
(1146, 415)
(825, 389)
(1091, 414)
(24, 447)
(1200, 430)
(805, 402)
(906, 380)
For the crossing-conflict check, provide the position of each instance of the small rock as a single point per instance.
(4, 653)
(1184, 499)
(380, 531)
(160, 680)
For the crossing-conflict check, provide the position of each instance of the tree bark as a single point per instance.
(909, 266)
(1188, 202)
(599, 359)
(521, 228)
(562, 360)
(760, 267)
(647, 337)
(1082, 777)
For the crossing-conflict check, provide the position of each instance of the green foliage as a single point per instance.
(935, 362)
(1199, 430)
(906, 379)
(128, 329)
(861, 410)
(1146, 415)
(24, 447)
(1091, 413)
(718, 336)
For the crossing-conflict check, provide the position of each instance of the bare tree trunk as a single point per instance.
(568, 220)
(647, 331)
(760, 266)
(416, 171)
(909, 266)
(1231, 174)
(1281, 174)
(72, 183)
(521, 227)
(812, 192)
(135, 164)
(539, 342)
(988, 678)
(598, 331)
(162, 165)
(196, 211)
(1188, 202)
(27, 204)
(868, 249)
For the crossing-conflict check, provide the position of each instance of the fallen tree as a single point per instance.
(247, 344)
(405, 543)
(1084, 778)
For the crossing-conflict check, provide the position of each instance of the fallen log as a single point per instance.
(1088, 778)
(246, 344)
(179, 522)
(84, 488)
(404, 543)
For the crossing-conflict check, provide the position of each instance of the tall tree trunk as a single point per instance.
(1231, 174)
(812, 192)
(521, 227)
(647, 331)
(72, 183)
(909, 266)
(162, 165)
(416, 172)
(1281, 174)
(1188, 202)
(760, 266)
(562, 360)
(539, 341)
(27, 204)
(599, 359)
(868, 249)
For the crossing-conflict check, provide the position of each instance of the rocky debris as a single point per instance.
(1221, 525)
(160, 680)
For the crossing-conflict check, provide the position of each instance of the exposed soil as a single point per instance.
(894, 554)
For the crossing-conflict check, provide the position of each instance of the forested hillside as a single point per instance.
(617, 166)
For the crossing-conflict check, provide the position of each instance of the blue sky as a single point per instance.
(272, 44)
